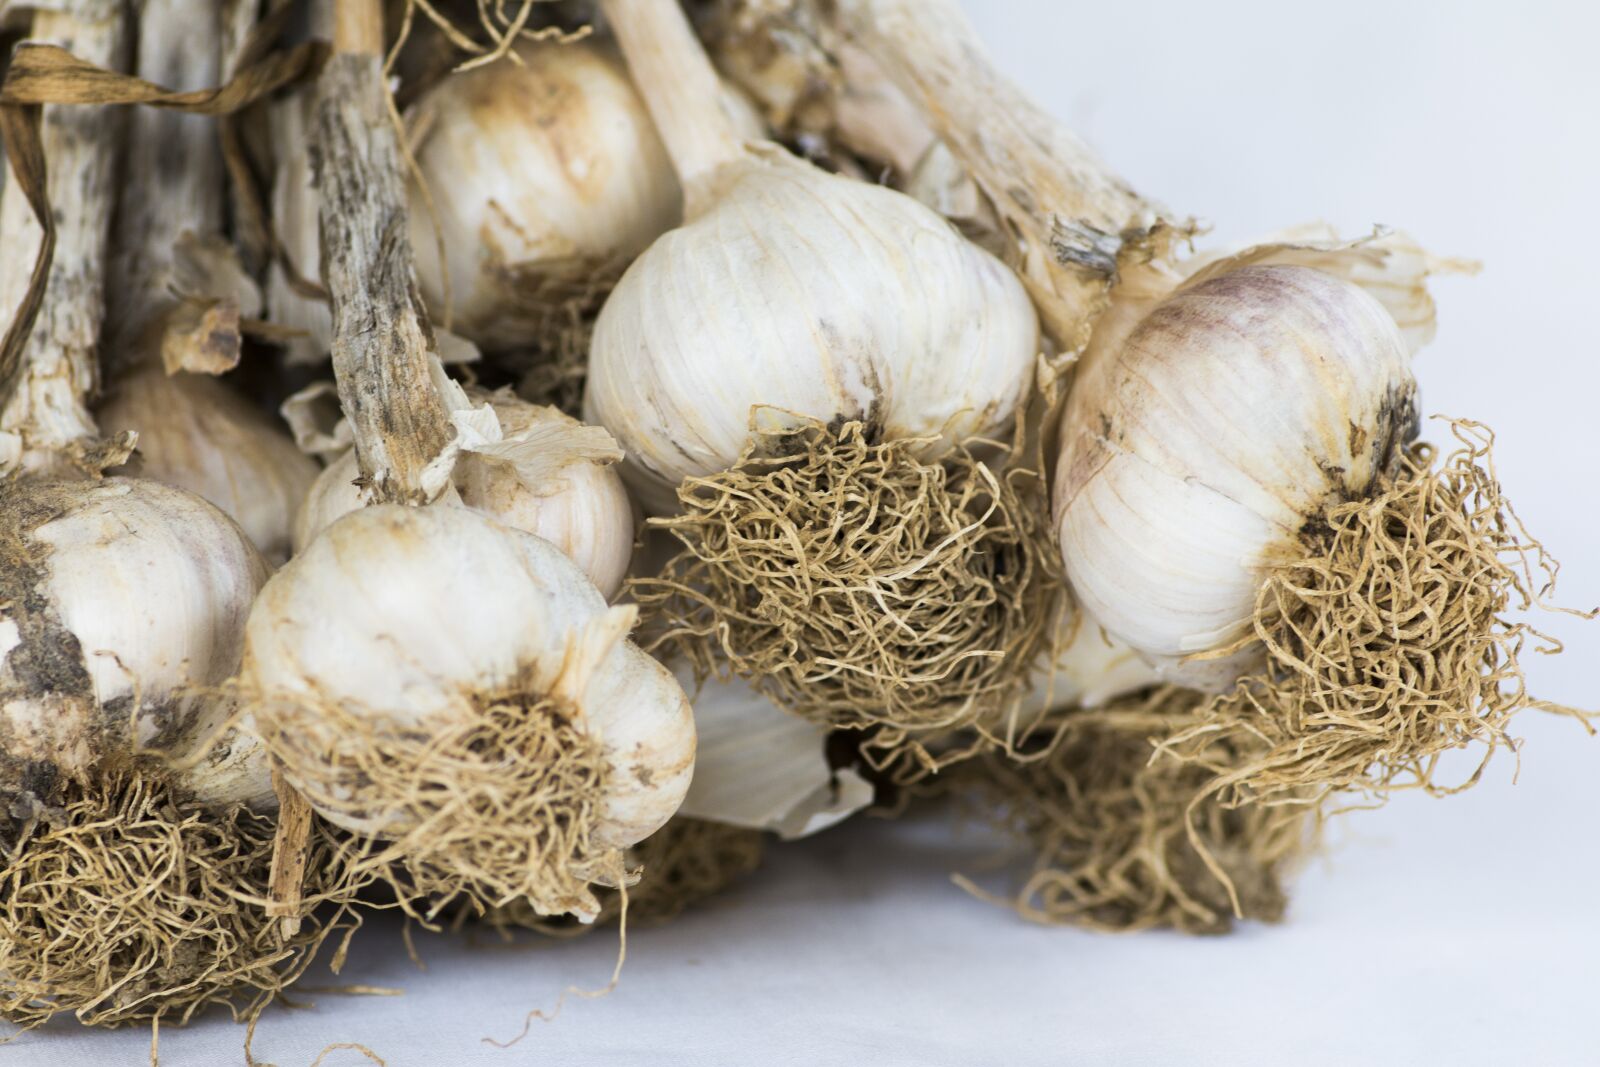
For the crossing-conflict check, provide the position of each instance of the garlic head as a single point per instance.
(399, 628)
(805, 296)
(122, 602)
(543, 174)
(548, 474)
(1201, 451)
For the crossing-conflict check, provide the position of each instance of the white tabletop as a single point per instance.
(1460, 931)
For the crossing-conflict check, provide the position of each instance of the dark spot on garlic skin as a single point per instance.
(117, 716)
(782, 446)
(1075, 243)
(47, 659)
(1358, 438)
(644, 774)
(1399, 424)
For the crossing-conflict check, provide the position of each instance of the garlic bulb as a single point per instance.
(1203, 449)
(399, 632)
(197, 434)
(792, 292)
(121, 602)
(550, 475)
(814, 297)
(803, 365)
(544, 175)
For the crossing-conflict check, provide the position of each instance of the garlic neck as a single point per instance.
(171, 175)
(683, 93)
(1071, 214)
(44, 417)
(382, 340)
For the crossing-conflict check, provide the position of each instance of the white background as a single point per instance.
(1460, 931)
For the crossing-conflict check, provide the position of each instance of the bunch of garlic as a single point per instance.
(789, 292)
(539, 471)
(122, 609)
(196, 433)
(400, 625)
(544, 177)
(1199, 452)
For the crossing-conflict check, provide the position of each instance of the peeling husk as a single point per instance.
(858, 585)
(133, 904)
(493, 806)
(1387, 643)
(1125, 838)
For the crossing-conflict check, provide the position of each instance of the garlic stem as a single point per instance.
(358, 27)
(47, 411)
(236, 20)
(290, 851)
(680, 87)
(1070, 215)
(381, 335)
(172, 172)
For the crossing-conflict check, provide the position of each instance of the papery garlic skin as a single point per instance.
(759, 767)
(580, 506)
(1087, 668)
(294, 218)
(333, 494)
(411, 613)
(121, 601)
(570, 499)
(1203, 448)
(813, 296)
(198, 434)
(541, 173)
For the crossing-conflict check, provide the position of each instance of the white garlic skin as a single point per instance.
(120, 595)
(811, 294)
(198, 434)
(412, 612)
(582, 508)
(333, 494)
(1086, 669)
(544, 170)
(1194, 454)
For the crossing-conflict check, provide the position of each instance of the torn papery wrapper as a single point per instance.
(760, 767)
